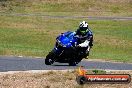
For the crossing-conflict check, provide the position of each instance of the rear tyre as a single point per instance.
(87, 53)
(50, 58)
(73, 63)
(79, 60)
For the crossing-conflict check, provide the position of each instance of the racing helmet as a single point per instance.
(83, 27)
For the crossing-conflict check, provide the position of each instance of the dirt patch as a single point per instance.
(52, 79)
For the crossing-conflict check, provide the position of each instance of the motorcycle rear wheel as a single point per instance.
(73, 63)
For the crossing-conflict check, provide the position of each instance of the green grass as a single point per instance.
(113, 40)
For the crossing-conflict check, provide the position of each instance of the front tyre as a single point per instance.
(49, 61)
(50, 58)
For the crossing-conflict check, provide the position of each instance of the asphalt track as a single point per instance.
(11, 63)
(67, 17)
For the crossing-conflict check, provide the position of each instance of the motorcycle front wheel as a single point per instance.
(50, 58)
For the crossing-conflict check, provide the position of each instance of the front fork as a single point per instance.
(58, 52)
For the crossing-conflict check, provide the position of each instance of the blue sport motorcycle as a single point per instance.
(66, 50)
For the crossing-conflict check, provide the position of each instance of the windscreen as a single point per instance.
(69, 35)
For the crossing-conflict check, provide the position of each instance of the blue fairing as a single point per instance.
(67, 39)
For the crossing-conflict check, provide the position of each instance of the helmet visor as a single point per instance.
(83, 30)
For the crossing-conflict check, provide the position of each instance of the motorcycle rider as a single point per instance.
(85, 36)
